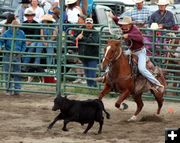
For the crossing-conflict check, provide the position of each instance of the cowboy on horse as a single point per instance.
(120, 76)
(134, 40)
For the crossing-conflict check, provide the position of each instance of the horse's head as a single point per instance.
(111, 53)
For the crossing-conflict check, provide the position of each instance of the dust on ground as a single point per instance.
(24, 119)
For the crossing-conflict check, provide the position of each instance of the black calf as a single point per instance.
(83, 112)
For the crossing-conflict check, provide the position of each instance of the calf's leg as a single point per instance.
(59, 117)
(100, 126)
(89, 126)
(66, 121)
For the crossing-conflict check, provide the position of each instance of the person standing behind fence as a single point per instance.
(19, 46)
(24, 5)
(86, 38)
(48, 34)
(162, 17)
(139, 14)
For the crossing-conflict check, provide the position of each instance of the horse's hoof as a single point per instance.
(117, 105)
(123, 106)
(132, 119)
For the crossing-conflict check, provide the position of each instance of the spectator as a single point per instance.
(72, 11)
(29, 14)
(85, 49)
(162, 17)
(139, 14)
(39, 12)
(46, 5)
(79, 71)
(19, 46)
(10, 18)
(84, 5)
(53, 5)
(24, 5)
(33, 46)
(48, 34)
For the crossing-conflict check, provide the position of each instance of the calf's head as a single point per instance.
(60, 103)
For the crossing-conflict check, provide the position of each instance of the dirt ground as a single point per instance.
(24, 119)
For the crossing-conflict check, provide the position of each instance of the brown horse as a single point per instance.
(121, 79)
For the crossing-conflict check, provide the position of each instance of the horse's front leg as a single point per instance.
(104, 91)
(121, 98)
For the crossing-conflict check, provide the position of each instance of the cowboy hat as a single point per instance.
(29, 11)
(154, 26)
(25, 1)
(48, 17)
(163, 2)
(138, 1)
(70, 2)
(126, 20)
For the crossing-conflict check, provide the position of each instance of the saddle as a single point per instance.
(141, 83)
(149, 65)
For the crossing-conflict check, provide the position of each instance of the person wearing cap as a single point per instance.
(24, 4)
(134, 40)
(48, 34)
(86, 38)
(15, 56)
(139, 14)
(162, 17)
(72, 11)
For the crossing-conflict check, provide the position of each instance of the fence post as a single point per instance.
(59, 48)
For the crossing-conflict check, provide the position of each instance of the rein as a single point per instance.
(114, 60)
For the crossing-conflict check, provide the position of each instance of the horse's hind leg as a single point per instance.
(139, 102)
(159, 98)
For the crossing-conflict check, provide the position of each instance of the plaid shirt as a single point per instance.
(139, 15)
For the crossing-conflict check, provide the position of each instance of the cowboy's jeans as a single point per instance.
(142, 66)
(14, 68)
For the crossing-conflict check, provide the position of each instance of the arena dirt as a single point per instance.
(24, 119)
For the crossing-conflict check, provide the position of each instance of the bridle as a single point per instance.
(114, 58)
